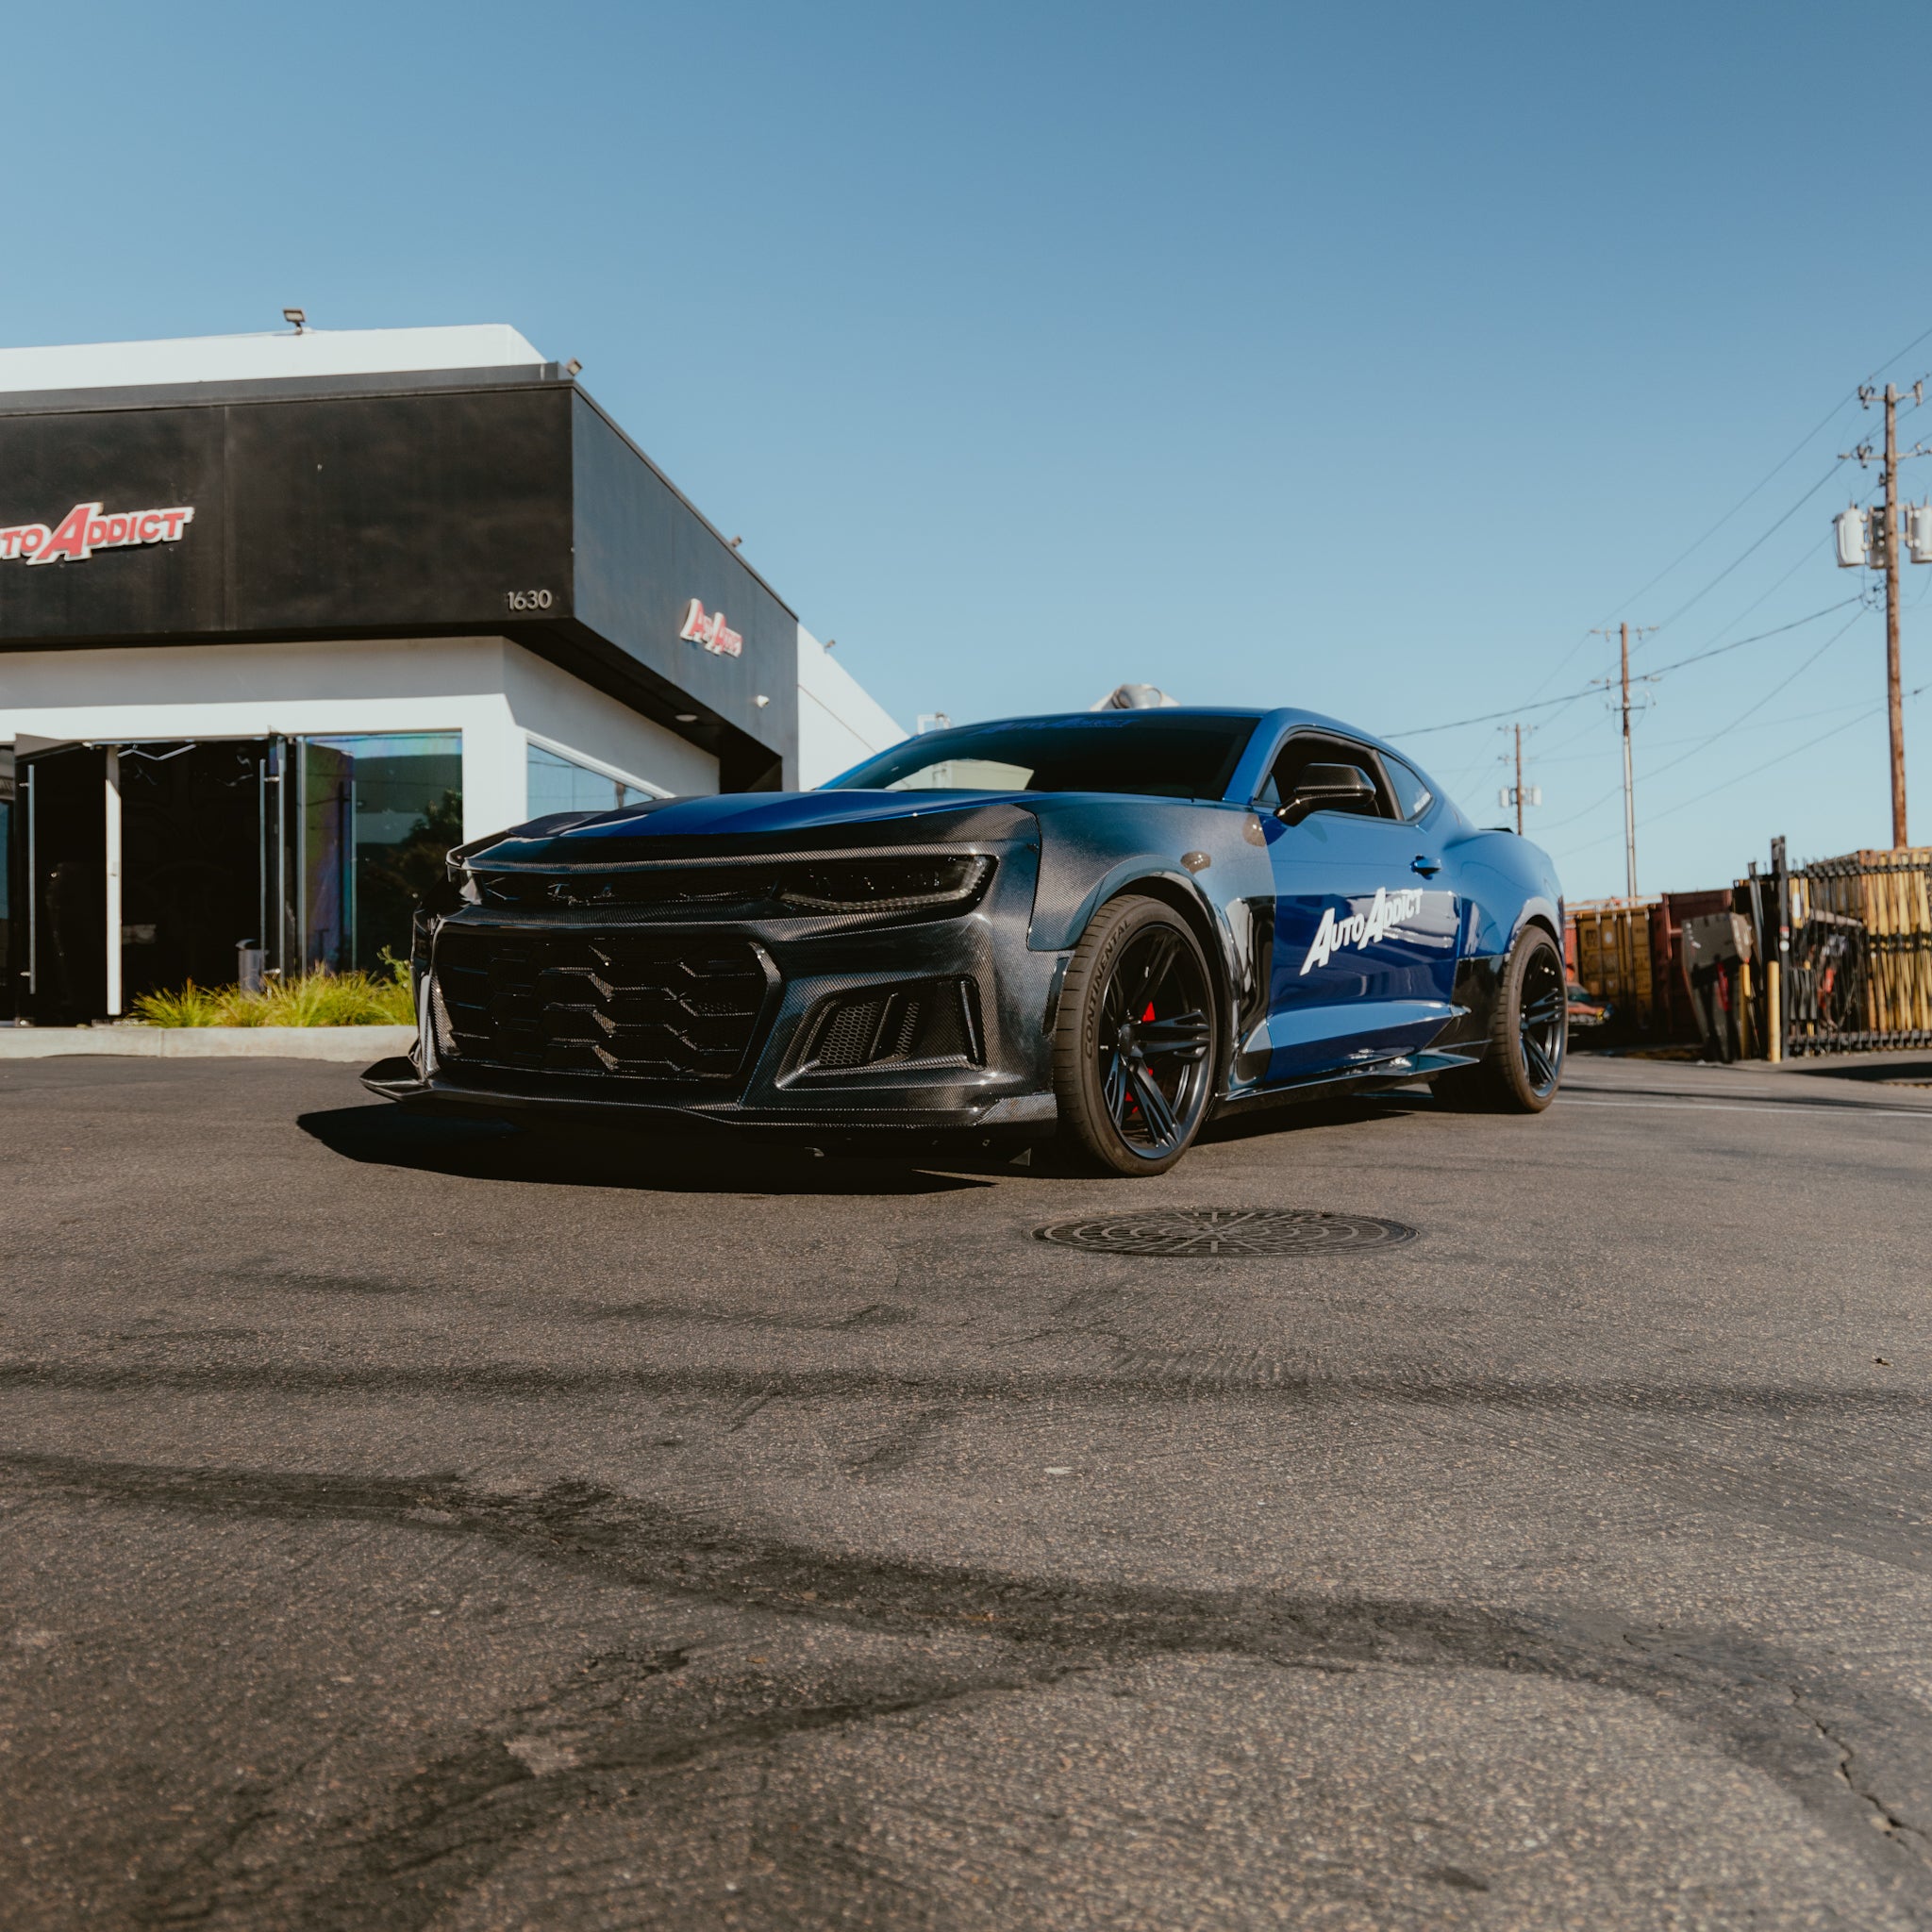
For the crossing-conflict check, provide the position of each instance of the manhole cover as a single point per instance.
(1228, 1233)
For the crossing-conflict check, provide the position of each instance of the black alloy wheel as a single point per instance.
(1530, 1030)
(1134, 1040)
(1543, 1019)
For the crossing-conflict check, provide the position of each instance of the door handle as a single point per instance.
(1426, 865)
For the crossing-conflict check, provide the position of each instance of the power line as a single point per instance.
(1546, 704)
(1725, 729)
(1537, 703)
(1871, 711)
(1490, 717)
(1711, 738)
(1739, 643)
(1593, 806)
(1810, 435)
(1808, 555)
(1590, 690)
(1671, 744)
(1752, 548)
(1791, 455)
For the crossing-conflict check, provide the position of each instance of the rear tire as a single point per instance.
(1133, 1050)
(1523, 1064)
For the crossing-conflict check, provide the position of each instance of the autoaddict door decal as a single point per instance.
(1362, 928)
(84, 529)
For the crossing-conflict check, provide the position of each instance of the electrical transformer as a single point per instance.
(1919, 532)
(1854, 544)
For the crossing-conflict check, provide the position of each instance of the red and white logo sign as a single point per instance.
(711, 632)
(84, 529)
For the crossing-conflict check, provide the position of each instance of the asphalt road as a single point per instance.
(403, 1525)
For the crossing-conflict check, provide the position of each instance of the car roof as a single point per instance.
(1283, 716)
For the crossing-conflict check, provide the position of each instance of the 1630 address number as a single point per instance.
(527, 600)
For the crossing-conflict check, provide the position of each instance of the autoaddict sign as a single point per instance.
(710, 631)
(84, 529)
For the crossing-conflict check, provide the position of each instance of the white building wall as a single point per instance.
(563, 714)
(839, 721)
(497, 694)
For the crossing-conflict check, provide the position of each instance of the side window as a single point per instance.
(1413, 797)
(1301, 751)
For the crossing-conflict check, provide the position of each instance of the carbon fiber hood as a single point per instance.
(734, 824)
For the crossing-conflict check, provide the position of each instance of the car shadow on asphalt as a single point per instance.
(710, 1163)
(721, 1163)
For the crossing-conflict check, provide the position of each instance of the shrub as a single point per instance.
(310, 999)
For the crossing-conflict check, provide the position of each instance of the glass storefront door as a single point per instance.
(59, 945)
(192, 859)
(371, 817)
(316, 850)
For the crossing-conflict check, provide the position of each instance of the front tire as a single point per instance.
(1529, 1033)
(1132, 1047)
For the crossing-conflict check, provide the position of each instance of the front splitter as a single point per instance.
(1027, 1115)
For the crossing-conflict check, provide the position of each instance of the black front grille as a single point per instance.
(671, 1009)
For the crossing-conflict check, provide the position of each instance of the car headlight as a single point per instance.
(883, 885)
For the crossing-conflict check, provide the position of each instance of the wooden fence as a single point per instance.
(1867, 917)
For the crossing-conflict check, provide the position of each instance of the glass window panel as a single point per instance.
(560, 784)
(1411, 794)
(379, 810)
(1163, 754)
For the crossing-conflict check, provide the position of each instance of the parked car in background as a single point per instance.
(1586, 1009)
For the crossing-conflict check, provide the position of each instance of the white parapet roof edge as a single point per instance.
(272, 357)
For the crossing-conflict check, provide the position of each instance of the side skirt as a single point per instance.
(1399, 1072)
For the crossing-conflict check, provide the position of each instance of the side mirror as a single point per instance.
(1330, 788)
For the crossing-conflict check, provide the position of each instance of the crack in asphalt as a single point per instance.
(399, 1861)
(490, 1380)
(1035, 1631)
(898, 1445)
(1882, 1812)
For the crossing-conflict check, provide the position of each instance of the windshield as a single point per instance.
(1167, 754)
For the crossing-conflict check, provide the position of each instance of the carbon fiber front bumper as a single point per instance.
(1003, 1081)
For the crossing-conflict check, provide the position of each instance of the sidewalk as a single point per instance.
(1890, 1081)
(362, 1043)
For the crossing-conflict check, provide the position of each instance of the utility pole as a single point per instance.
(1894, 697)
(1519, 795)
(1629, 779)
(1888, 539)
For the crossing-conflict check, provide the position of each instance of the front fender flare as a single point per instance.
(1056, 932)
(1176, 887)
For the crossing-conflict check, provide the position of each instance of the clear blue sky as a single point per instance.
(1358, 357)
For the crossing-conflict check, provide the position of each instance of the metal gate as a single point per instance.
(1856, 950)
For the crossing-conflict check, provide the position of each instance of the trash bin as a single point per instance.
(1716, 945)
(249, 961)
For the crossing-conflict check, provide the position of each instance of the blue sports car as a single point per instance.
(1109, 926)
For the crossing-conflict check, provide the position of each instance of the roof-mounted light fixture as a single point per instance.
(297, 318)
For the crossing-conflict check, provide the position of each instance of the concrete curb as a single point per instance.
(360, 1043)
